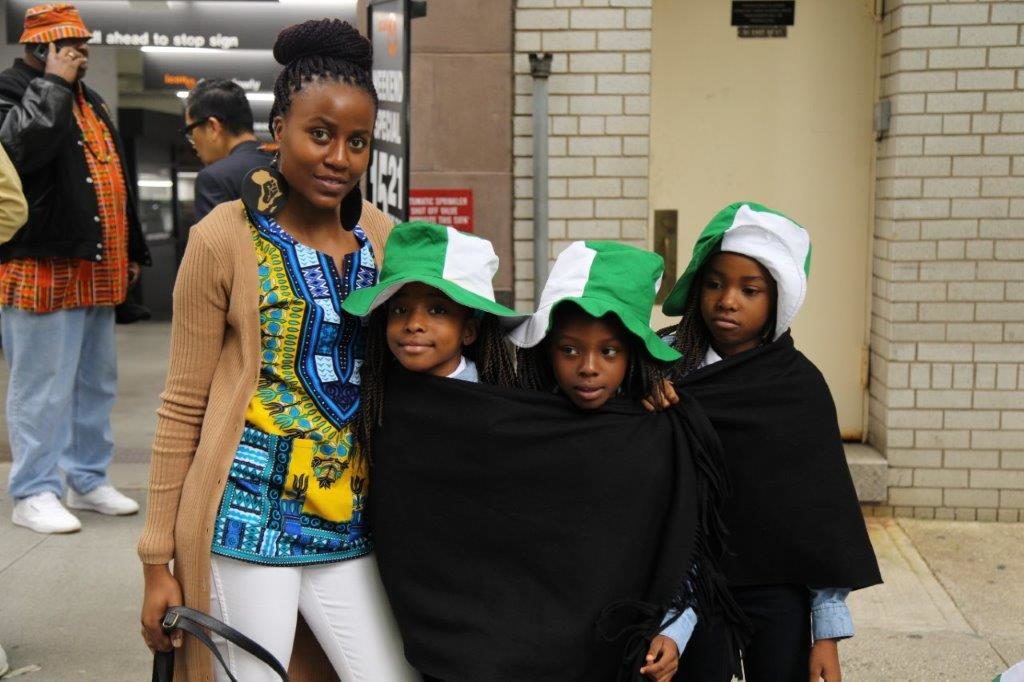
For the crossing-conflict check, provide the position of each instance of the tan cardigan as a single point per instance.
(13, 208)
(212, 376)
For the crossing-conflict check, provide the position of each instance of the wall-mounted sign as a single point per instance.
(761, 31)
(763, 12)
(254, 70)
(451, 207)
(388, 176)
(763, 18)
(223, 25)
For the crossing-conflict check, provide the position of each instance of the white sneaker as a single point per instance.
(44, 513)
(104, 499)
(4, 667)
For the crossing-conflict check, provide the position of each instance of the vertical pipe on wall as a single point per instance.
(540, 69)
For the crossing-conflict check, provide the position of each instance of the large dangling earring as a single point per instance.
(351, 208)
(264, 189)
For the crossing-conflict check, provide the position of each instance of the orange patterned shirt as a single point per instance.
(43, 285)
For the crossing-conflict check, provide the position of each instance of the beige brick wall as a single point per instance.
(947, 384)
(599, 126)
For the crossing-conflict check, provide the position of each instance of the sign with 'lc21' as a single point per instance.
(388, 177)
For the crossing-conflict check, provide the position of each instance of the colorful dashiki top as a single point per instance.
(294, 495)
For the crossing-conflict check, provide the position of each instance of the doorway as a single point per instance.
(786, 122)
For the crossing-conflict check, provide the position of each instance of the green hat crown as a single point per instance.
(602, 277)
(461, 265)
(761, 233)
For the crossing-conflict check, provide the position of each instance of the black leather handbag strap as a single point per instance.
(196, 623)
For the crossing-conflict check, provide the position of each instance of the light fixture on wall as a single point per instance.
(882, 118)
(251, 96)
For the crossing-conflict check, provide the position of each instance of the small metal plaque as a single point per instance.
(761, 31)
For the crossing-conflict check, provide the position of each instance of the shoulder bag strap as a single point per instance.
(196, 623)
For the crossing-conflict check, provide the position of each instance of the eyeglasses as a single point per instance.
(187, 130)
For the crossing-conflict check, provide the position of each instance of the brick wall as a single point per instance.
(462, 52)
(947, 387)
(599, 126)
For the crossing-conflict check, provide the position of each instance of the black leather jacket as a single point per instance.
(39, 132)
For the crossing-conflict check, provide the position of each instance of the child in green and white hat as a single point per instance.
(797, 539)
(433, 310)
(591, 340)
(745, 241)
(591, 335)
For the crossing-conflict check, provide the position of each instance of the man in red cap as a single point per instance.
(62, 274)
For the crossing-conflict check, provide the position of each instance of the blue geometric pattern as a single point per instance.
(325, 369)
(263, 520)
(295, 492)
(306, 256)
(365, 277)
(317, 283)
(336, 334)
(330, 314)
(328, 339)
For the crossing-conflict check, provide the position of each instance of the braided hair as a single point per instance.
(644, 374)
(491, 353)
(324, 49)
(692, 334)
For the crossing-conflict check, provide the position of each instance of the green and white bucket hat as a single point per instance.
(769, 237)
(461, 265)
(602, 277)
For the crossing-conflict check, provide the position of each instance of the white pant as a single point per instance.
(343, 603)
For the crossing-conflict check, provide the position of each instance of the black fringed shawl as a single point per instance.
(509, 523)
(793, 516)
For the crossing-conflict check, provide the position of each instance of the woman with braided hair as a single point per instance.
(258, 487)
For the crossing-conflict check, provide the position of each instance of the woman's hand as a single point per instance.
(662, 660)
(668, 398)
(162, 592)
(134, 272)
(825, 661)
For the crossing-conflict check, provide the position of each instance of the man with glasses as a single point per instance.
(62, 274)
(219, 126)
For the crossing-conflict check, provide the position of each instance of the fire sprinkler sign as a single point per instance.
(451, 207)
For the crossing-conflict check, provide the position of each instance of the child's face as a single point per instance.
(736, 299)
(589, 357)
(426, 330)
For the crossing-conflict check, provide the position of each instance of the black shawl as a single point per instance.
(508, 523)
(793, 516)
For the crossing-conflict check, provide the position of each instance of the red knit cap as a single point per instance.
(53, 22)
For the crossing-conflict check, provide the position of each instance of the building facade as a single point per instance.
(661, 113)
(947, 324)
(916, 305)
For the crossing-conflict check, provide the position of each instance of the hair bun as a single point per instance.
(323, 38)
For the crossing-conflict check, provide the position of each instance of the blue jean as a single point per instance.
(61, 392)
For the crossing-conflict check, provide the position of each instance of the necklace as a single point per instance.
(97, 130)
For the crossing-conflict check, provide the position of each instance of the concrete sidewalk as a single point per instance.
(952, 607)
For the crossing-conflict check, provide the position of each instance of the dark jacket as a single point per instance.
(39, 132)
(222, 180)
